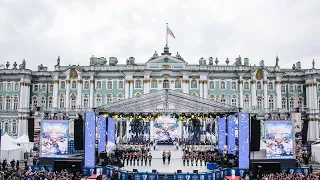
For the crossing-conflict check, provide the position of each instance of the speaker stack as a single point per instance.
(31, 129)
(255, 133)
(79, 133)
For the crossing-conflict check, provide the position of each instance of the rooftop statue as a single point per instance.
(277, 61)
(23, 65)
(58, 61)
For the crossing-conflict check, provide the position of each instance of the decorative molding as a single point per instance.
(205, 82)
(154, 78)
(193, 78)
(178, 78)
(109, 79)
(278, 82)
(159, 81)
(91, 81)
(211, 78)
(265, 82)
(68, 81)
(80, 81)
(172, 81)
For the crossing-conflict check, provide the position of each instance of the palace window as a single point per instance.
(222, 98)
(291, 103)
(271, 102)
(61, 101)
(194, 84)
(15, 102)
(62, 85)
(74, 85)
(246, 102)
(154, 84)
(300, 103)
(318, 87)
(120, 97)
(234, 101)
(1, 103)
(35, 88)
(259, 102)
(299, 89)
(51, 88)
(138, 84)
(73, 101)
(291, 89)
(222, 85)
(6, 127)
(43, 101)
(86, 101)
(14, 127)
(86, 85)
(212, 97)
(16, 86)
(193, 94)
(109, 85)
(109, 98)
(137, 95)
(283, 88)
(270, 86)
(259, 85)
(284, 103)
(246, 86)
(43, 88)
(120, 85)
(99, 85)
(233, 85)
(211, 85)
(8, 103)
(177, 84)
(165, 84)
(98, 100)
(9, 86)
(1, 86)
(50, 102)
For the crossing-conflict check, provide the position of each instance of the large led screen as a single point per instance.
(166, 128)
(279, 139)
(89, 147)
(231, 135)
(102, 134)
(54, 138)
(244, 130)
(222, 133)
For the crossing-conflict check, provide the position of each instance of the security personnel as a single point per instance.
(142, 158)
(201, 159)
(187, 158)
(138, 158)
(184, 159)
(196, 159)
(150, 158)
(191, 159)
(164, 157)
(169, 157)
(131, 159)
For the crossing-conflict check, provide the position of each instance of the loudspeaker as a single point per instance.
(195, 171)
(134, 170)
(154, 171)
(78, 133)
(255, 134)
(179, 171)
(31, 129)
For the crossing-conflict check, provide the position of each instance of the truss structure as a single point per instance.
(167, 101)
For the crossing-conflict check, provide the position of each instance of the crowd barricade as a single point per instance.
(217, 174)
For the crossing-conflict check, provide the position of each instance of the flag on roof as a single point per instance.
(170, 32)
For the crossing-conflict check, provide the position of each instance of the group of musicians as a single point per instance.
(137, 158)
(191, 158)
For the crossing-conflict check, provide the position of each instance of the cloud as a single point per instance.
(39, 30)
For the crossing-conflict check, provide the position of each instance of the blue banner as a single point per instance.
(231, 135)
(191, 176)
(90, 134)
(54, 138)
(111, 129)
(222, 133)
(145, 176)
(244, 130)
(102, 134)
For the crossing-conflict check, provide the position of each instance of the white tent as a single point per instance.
(9, 150)
(315, 149)
(24, 142)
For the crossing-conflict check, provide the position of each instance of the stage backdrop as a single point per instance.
(244, 134)
(279, 139)
(54, 138)
(89, 147)
(166, 128)
(102, 134)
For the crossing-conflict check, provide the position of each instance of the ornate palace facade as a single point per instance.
(269, 91)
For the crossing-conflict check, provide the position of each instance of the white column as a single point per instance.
(309, 91)
(201, 88)
(159, 84)
(145, 86)
(151, 130)
(148, 86)
(68, 93)
(128, 128)
(241, 92)
(92, 99)
(205, 88)
(126, 89)
(265, 93)
(79, 92)
(253, 92)
(184, 86)
(278, 92)
(121, 129)
(55, 92)
(315, 97)
(131, 88)
(22, 121)
(187, 86)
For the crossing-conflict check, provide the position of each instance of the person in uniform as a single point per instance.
(196, 159)
(187, 158)
(131, 159)
(164, 157)
(191, 159)
(169, 157)
(201, 159)
(145, 156)
(150, 158)
(142, 158)
(184, 159)
(138, 158)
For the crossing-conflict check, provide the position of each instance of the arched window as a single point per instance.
(234, 100)
(246, 86)
(211, 85)
(165, 84)
(246, 102)
(15, 102)
(259, 102)
(120, 97)
(222, 98)
(271, 102)
(270, 85)
(193, 94)
(51, 88)
(1, 103)
(300, 102)
(50, 101)
(154, 84)
(233, 85)
(16, 86)
(109, 98)
(43, 88)
(8, 103)
(61, 100)
(86, 85)
(62, 85)
(43, 101)
(73, 101)
(137, 95)
(284, 103)
(120, 85)
(194, 84)
(212, 97)
(98, 85)
(35, 101)
(222, 85)
(283, 88)
(6, 127)
(291, 103)
(74, 85)
(291, 89)
(109, 85)
(259, 85)
(98, 100)
(1, 86)
(9, 86)
(177, 84)
(35, 88)
(138, 84)
(14, 127)
(86, 101)
(299, 89)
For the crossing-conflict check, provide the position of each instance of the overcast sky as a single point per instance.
(41, 30)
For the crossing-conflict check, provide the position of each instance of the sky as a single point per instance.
(41, 30)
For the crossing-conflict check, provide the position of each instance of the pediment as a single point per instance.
(166, 59)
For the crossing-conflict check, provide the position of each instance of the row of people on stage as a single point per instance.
(166, 156)
(195, 158)
(134, 147)
(139, 159)
(201, 148)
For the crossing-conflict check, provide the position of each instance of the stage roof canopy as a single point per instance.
(167, 101)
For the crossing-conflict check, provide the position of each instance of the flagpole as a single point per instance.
(167, 35)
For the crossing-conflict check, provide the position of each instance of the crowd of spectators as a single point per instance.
(285, 176)
(39, 175)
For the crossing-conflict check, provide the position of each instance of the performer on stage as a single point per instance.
(184, 159)
(187, 157)
(150, 158)
(131, 159)
(141, 159)
(201, 159)
(191, 159)
(145, 156)
(138, 158)
(164, 157)
(196, 159)
(169, 157)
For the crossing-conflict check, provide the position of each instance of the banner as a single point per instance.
(102, 134)
(111, 129)
(145, 176)
(54, 138)
(244, 130)
(222, 133)
(231, 135)
(191, 176)
(279, 139)
(89, 147)
(166, 128)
